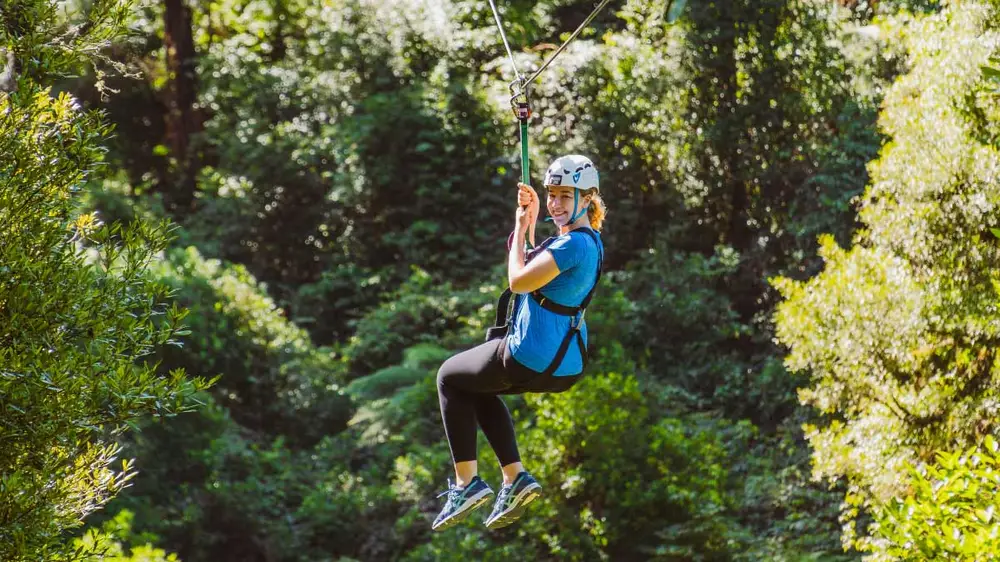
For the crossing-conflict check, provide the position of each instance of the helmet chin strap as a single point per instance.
(573, 217)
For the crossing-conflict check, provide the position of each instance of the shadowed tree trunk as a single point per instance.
(719, 28)
(279, 38)
(183, 121)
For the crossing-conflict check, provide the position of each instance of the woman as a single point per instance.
(552, 286)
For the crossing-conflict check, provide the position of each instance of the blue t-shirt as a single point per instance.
(536, 333)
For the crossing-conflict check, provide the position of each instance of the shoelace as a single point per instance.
(502, 498)
(452, 492)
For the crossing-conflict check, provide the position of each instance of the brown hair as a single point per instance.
(597, 211)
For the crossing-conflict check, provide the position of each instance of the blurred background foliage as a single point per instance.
(793, 345)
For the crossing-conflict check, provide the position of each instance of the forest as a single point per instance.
(238, 238)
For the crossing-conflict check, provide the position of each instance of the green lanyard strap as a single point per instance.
(521, 106)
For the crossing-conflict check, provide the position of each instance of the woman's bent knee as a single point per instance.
(446, 369)
(472, 370)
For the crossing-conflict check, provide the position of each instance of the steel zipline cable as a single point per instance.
(521, 81)
(519, 100)
(562, 47)
(496, 15)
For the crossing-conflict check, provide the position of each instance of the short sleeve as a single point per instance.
(568, 251)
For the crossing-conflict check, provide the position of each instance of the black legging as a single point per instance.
(468, 387)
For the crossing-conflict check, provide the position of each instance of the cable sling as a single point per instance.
(562, 47)
(519, 100)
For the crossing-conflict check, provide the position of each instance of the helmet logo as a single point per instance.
(576, 177)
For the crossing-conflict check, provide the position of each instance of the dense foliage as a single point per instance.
(949, 512)
(900, 332)
(336, 180)
(81, 317)
(373, 139)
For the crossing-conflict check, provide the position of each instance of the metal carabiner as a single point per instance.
(520, 103)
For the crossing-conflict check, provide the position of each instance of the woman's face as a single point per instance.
(559, 202)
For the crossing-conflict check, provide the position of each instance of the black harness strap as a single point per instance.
(574, 312)
(561, 309)
(502, 325)
(552, 306)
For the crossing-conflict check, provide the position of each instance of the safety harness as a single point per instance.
(521, 105)
(576, 313)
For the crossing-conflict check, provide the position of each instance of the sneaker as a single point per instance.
(461, 502)
(513, 499)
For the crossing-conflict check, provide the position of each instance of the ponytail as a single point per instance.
(597, 210)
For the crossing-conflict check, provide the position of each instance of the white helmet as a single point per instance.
(572, 170)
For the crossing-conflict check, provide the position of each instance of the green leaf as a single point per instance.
(985, 515)
(990, 72)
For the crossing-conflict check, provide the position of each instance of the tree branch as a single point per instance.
(8, 78)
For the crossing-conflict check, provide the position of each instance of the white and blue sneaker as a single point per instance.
(513, 499)
(461, 502)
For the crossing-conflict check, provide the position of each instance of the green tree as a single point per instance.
(349, 141)
(80, 315)
(106, 543)
(368, 129)
(272, 379)
(899, 333)
(949, 512)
